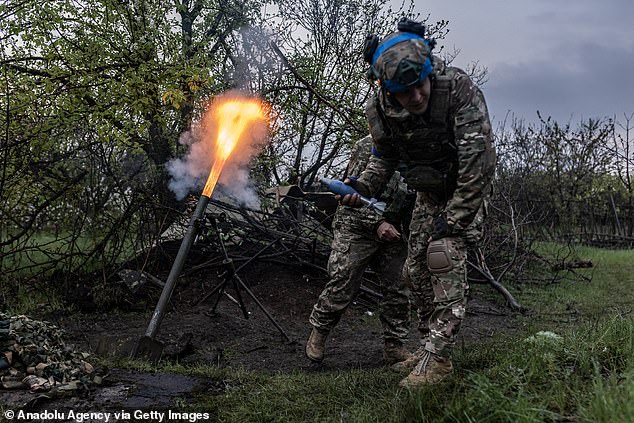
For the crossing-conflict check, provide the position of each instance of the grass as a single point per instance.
(612, 401)
(30, 300)
(37, 259)
(40, 253)
(572, 359)
(583, 374)
(610, 288)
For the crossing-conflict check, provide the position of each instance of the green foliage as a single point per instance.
(95, 95)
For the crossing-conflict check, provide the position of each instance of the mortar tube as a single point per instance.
(177, 266)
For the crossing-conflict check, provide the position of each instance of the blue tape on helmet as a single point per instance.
(426, 69)
(404, 36)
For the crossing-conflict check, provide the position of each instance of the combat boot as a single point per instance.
(430, 369)
(316, 345)
(395, 352)
(411, 362)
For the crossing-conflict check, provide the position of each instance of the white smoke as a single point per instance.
(190, 172)
(241, 192)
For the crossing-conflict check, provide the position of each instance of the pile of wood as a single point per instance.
(290, 231)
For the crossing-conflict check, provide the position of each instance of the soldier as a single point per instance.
(362, 236)
(433, 118)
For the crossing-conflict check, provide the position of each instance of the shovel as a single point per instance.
(147, 346)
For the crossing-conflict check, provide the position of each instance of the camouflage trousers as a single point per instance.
(351, 254)
(440, 297)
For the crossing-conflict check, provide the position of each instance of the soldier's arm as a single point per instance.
(371, 182)
(384, 158)
(476, 155)
(376, 174)
(395, 197)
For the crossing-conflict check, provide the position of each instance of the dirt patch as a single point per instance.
(225, 337)
(194, 334)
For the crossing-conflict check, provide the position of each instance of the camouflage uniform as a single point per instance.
(355, 245)
(451, 160)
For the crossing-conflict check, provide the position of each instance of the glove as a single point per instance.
(440, 227)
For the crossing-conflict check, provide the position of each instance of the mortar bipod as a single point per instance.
(230, 276)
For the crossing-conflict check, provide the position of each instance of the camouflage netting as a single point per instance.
(33, 356)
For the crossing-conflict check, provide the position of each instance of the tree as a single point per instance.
(556, 173)
(573, 159)
(95, 96)
(621, 151)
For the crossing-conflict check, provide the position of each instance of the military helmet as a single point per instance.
(401, 59)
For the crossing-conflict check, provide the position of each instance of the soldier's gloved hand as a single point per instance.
(440, 227)
(387, 232)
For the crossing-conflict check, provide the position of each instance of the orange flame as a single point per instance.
(233, 118)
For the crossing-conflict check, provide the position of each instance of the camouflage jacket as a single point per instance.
(448, 151)
(363, 220)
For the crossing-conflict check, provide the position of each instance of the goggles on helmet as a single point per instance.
(408, 73)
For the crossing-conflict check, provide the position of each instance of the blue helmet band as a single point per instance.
(404, 36)
(409, 72)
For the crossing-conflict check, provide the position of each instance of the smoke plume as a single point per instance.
(190, 172)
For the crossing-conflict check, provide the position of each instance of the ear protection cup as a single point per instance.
(369, 47)
(408, 25)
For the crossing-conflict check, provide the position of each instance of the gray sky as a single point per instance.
(569, 59)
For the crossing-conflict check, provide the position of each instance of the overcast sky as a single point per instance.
(569, 59)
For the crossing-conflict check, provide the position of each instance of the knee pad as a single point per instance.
(438, 256)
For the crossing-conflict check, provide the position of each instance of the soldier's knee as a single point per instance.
(440, 257)
(446, 260)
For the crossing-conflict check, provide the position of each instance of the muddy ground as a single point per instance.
(194, 334)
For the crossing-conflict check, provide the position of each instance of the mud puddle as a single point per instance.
(123, 390)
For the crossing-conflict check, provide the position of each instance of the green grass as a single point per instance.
(40, 253)
(610, 289)
(571, 359)
(34, 301)
(24, 275)
(584, 374)
(612, 401)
